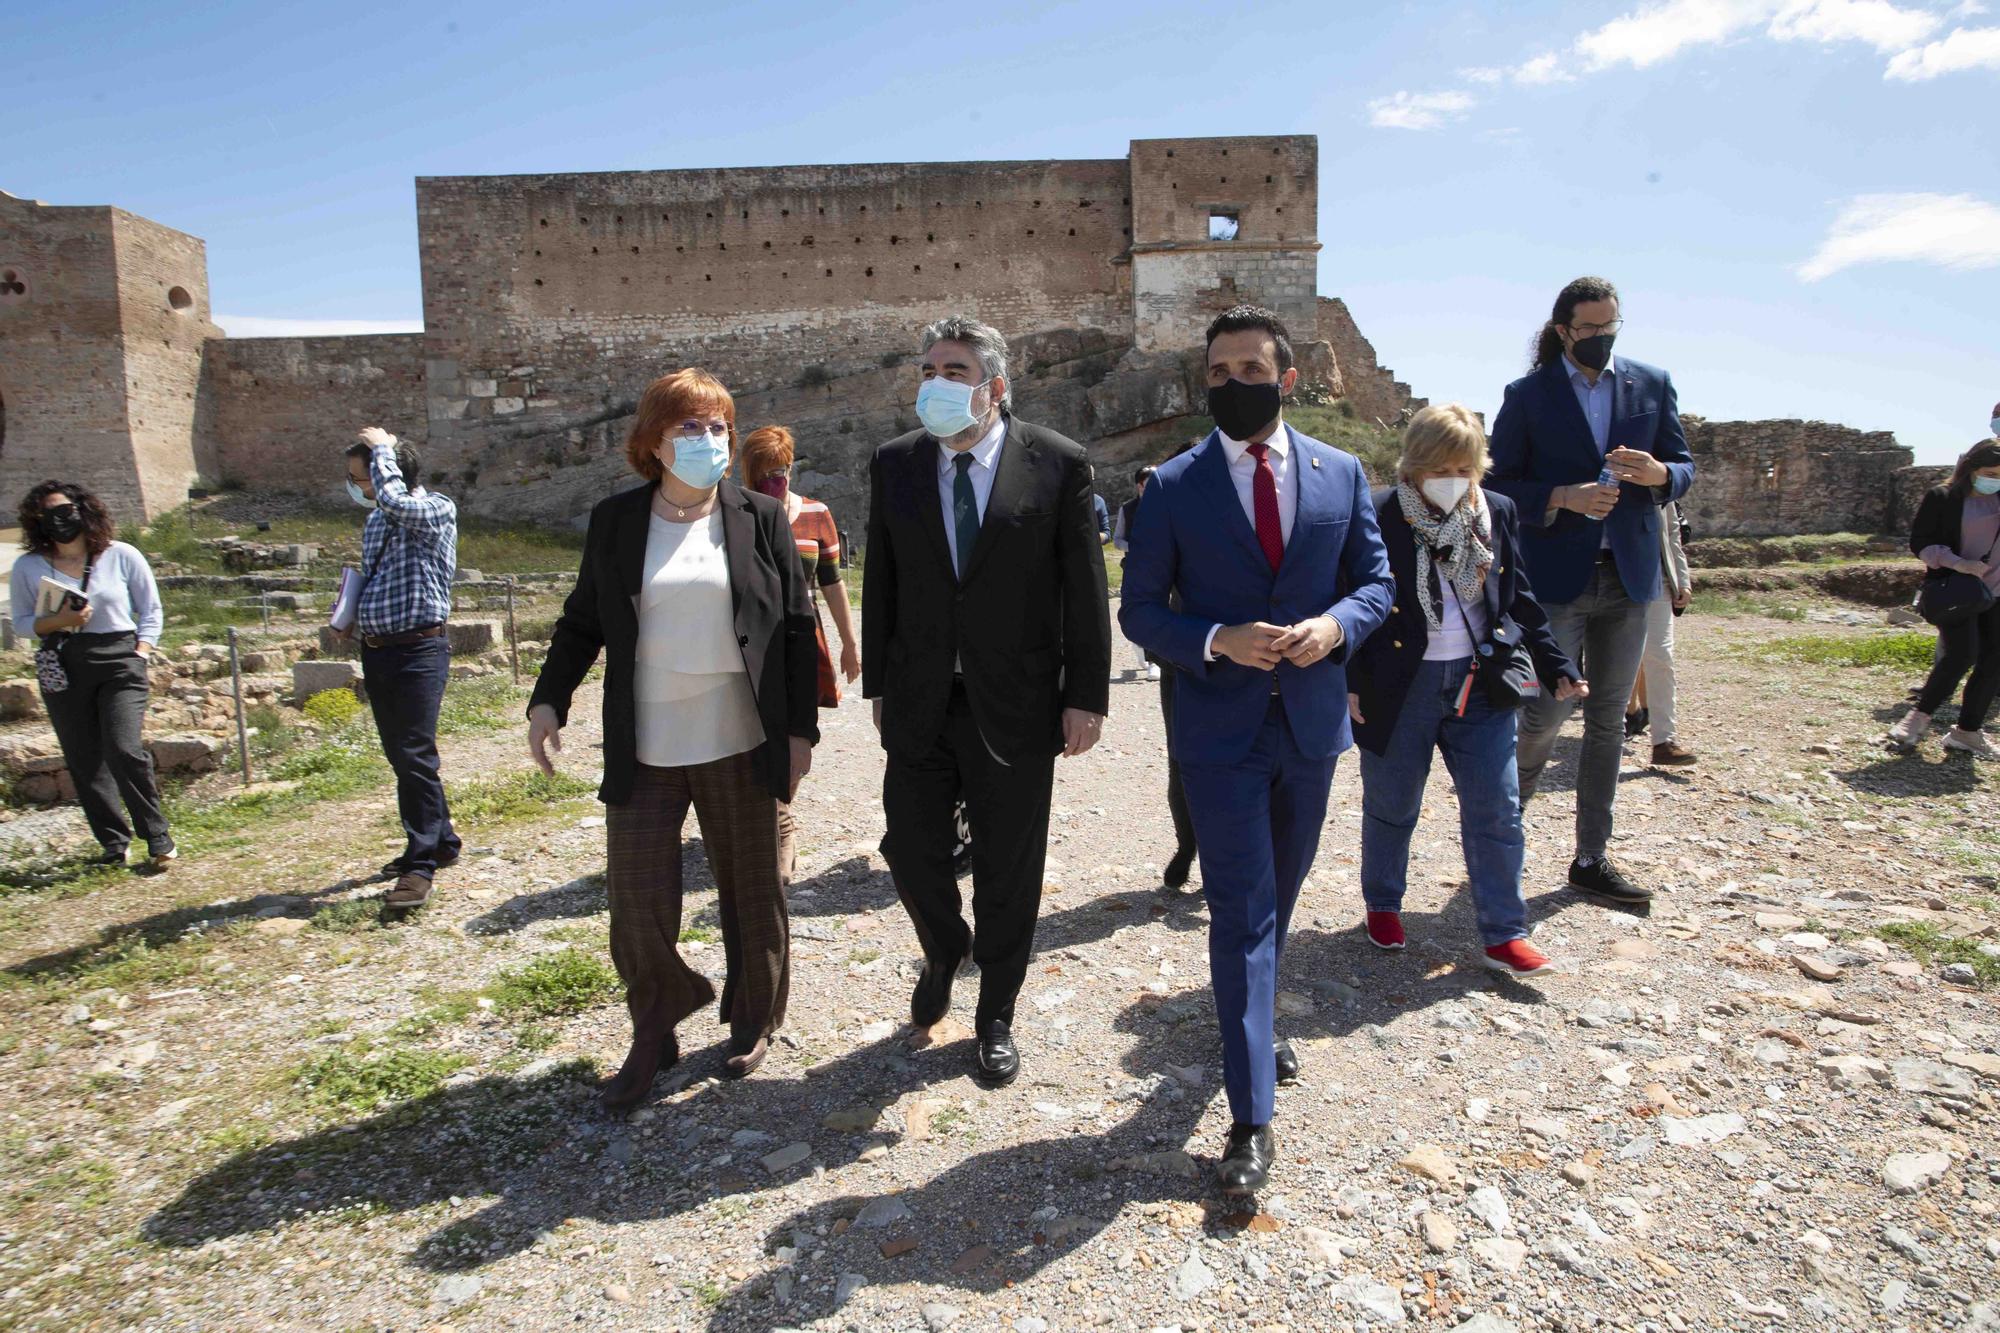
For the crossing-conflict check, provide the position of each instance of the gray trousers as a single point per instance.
(1604, 632)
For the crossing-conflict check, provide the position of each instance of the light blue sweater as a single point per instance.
(122, 594)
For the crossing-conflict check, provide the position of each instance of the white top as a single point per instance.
(1450, 641)
(691, 688)
(124, 599)
(985, 458)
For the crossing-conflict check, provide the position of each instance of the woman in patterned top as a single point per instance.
(767, 466)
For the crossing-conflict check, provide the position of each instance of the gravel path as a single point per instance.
(1683, 1129)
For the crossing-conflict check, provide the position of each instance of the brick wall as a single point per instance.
(281, 410)
(164, 324)
(1771, 478)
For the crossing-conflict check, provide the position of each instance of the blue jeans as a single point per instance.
(1256, 823)
(405, 689)
(1479, 752)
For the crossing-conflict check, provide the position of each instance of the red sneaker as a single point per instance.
(1518, 958)
(1385, 929)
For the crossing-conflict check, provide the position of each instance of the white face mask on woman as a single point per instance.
(1445, 492)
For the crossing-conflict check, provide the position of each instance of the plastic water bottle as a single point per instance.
(1604, 478)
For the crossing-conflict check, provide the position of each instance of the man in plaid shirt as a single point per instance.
(409, 550)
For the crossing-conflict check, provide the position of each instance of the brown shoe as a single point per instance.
(410, 892)
(743, 1062)
(1668, 754)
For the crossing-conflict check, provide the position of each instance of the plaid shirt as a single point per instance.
(408, 552)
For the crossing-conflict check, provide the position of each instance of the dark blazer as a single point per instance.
(774, 629)
(1030, 622)
(1541, 440)
(1193, 538)
(1940, 521)
(1380, 673)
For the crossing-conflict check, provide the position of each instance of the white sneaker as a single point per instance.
(1152, 671)
(1974, 743)
(1906, 733)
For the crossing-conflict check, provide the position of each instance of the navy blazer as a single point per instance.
(1381, 672)
(1541, 440)
(1192, 538)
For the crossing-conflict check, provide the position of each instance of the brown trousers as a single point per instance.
(739, 830)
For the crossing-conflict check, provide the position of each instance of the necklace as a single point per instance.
(681, 511)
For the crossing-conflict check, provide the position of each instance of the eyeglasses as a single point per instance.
(1593, 330)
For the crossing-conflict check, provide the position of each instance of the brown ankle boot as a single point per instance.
(649, 1055)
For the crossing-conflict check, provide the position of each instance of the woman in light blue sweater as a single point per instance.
(97, 700)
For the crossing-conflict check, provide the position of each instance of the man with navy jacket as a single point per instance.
(1588, 447)
(1267, 540)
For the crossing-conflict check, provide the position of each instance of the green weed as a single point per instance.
(488, 703)
(358, 1081)
(1933, 948)
(1904, 650)
(554, 985)
(522, 795)
(332, 708)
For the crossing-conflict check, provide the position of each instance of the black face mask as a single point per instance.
(1241, 410)
(1593, 353)
(62, 525)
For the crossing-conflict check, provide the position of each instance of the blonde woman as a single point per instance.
(1462, 599)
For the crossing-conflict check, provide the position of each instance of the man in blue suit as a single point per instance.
(1588, 448)
(1267, 540)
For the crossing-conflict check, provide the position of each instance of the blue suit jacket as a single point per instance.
(1191, 540)
(1541, 440)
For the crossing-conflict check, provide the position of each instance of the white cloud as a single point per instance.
(1483, 74)
(1544, 68)
(1876, 22)
(1964, 49)
(260, 326)
(1417, 111)
(1659, 32)
(1951, 230)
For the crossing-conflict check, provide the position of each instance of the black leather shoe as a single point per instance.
(634, 1079)
(930, 999)
(394, 869)
(1288, 1060)
(1601, 880)
(999, 1062)
(1246, 1162)
(1176, 875)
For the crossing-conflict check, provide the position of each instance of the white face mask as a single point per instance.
(1445, 492)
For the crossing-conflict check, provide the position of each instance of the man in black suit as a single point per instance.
(986, 651)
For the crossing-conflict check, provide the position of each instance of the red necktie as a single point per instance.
(1264, 500)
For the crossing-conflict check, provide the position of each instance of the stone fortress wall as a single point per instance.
(551, 300)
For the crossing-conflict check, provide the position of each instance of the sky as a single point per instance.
(1798, 199)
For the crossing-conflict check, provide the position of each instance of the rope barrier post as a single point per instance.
(236, 688)
(513, 640)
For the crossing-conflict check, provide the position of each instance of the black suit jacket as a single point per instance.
(1380, 674)
(1940, 521)
(1030, 621)
(774, 629)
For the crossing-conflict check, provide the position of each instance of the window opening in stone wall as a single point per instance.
(13, 290)
(178, 298)
(1223, 224)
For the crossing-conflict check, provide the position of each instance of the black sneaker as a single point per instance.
(1636, 722)
(1600, 879)
(109, 858)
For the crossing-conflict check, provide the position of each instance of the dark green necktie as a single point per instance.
(964, 511)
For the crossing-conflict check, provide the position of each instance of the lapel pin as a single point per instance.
(1315, 463)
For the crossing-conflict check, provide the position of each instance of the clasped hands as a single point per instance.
(1263, 646)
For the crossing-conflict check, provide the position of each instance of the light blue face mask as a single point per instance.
(1996, 426)
(700, 460)
(945, 407)
(359, 496)
(1986, 485)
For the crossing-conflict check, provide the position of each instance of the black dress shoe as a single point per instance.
(1600, 879)
(1288, 1060)
(634, 1079)
(1636, 721)
(1246, 1162)
(999, 1062)
(1177, 869)
(930, 999)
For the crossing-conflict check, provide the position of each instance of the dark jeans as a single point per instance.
(1973, 645)
(98, 721)
(1008, 807)
(1478, 750)
(1177, 805)
(405, 688)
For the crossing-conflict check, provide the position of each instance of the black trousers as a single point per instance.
(1973, 645)
(1177, 805)
(99, 721)
(405, 689)
(1008, 808)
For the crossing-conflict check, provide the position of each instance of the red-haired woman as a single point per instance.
(768, 454)
(96, 685)
(691, 588)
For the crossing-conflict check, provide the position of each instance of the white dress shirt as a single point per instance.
(985, 459)
(1243, 476)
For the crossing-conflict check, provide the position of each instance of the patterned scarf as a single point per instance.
(1460, 544)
